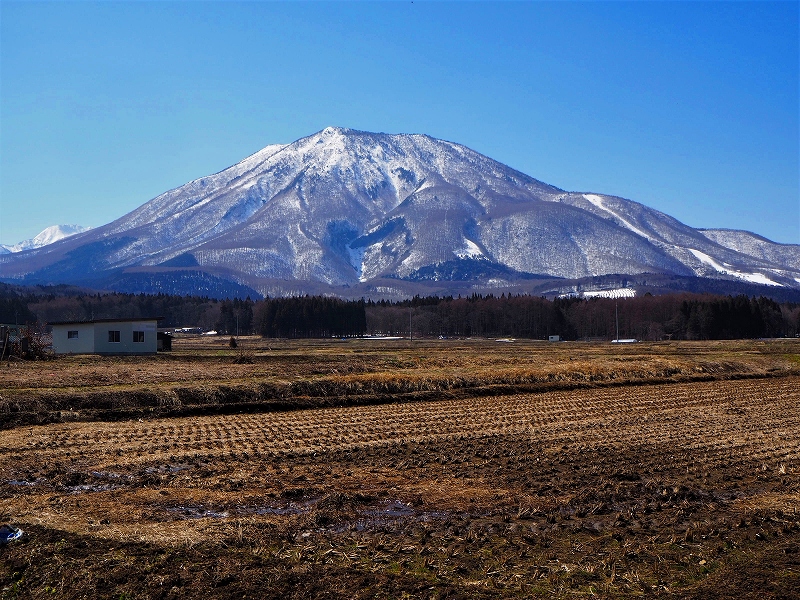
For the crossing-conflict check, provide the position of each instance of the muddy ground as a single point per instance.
(686, 489)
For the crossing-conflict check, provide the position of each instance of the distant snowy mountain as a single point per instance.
(351, 212)
(45, 237)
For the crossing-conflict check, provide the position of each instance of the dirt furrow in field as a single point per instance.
(701, 415)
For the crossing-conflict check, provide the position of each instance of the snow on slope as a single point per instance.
(469, 250)
(316, 192)
(598, 202)
(751, 277)
(615, 293)
(47, 236)
(754, 245)
(707, 253)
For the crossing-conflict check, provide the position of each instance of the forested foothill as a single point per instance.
(681, 316)
(674, 316)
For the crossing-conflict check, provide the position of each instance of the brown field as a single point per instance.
(433, 469)
(205, 376)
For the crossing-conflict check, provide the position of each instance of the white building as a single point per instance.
(106, 336)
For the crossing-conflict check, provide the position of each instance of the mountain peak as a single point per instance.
(335, 131)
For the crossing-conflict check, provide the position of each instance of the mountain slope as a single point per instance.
(345, 208)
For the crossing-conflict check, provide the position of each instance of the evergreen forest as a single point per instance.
(681, 316)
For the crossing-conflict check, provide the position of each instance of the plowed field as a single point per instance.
(687, 489)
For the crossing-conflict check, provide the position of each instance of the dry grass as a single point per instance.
(208, 359)
(205, 372)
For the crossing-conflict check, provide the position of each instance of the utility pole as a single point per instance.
(616, 307)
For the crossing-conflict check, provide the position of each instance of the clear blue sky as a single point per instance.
(688, 107)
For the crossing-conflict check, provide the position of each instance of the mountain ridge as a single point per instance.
(49, 235)
(341, 208)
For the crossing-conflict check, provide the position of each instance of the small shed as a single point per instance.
(106, 336)
(553, 338)
(164, 343)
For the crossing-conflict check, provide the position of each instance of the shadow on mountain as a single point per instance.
(470, 269)
(182, 260)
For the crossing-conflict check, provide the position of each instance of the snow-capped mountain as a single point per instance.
(345, 209)
(43, 238)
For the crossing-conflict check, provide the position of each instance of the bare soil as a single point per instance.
(685, 487)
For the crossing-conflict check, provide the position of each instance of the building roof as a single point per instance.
(130, 320)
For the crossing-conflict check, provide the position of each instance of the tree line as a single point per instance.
(294, 317)
(673, 316)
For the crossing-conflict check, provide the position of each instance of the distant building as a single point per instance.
(106, 336)
(553, 338)
(9, 335)
(9, 331)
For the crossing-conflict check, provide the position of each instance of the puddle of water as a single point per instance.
(197, 512)
(24, 482)
(167, 468)
(398, 510)
(390, 514)
(82, 489)
(106, 475)
(273, 510)
(393, 509)
(387, 514)
(292, 508)
(79, 489)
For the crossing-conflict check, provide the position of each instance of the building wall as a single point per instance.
(83, 344)
(126, 345)
(93, 338)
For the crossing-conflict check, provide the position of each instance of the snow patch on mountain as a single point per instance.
(47, 236)
(356, 256)
(617, 293)
(598, 202)
(751, 277)
(612, 293)
(469, 250)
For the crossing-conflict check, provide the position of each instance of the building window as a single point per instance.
(113, 336)
(138, 336)
(72, 335)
